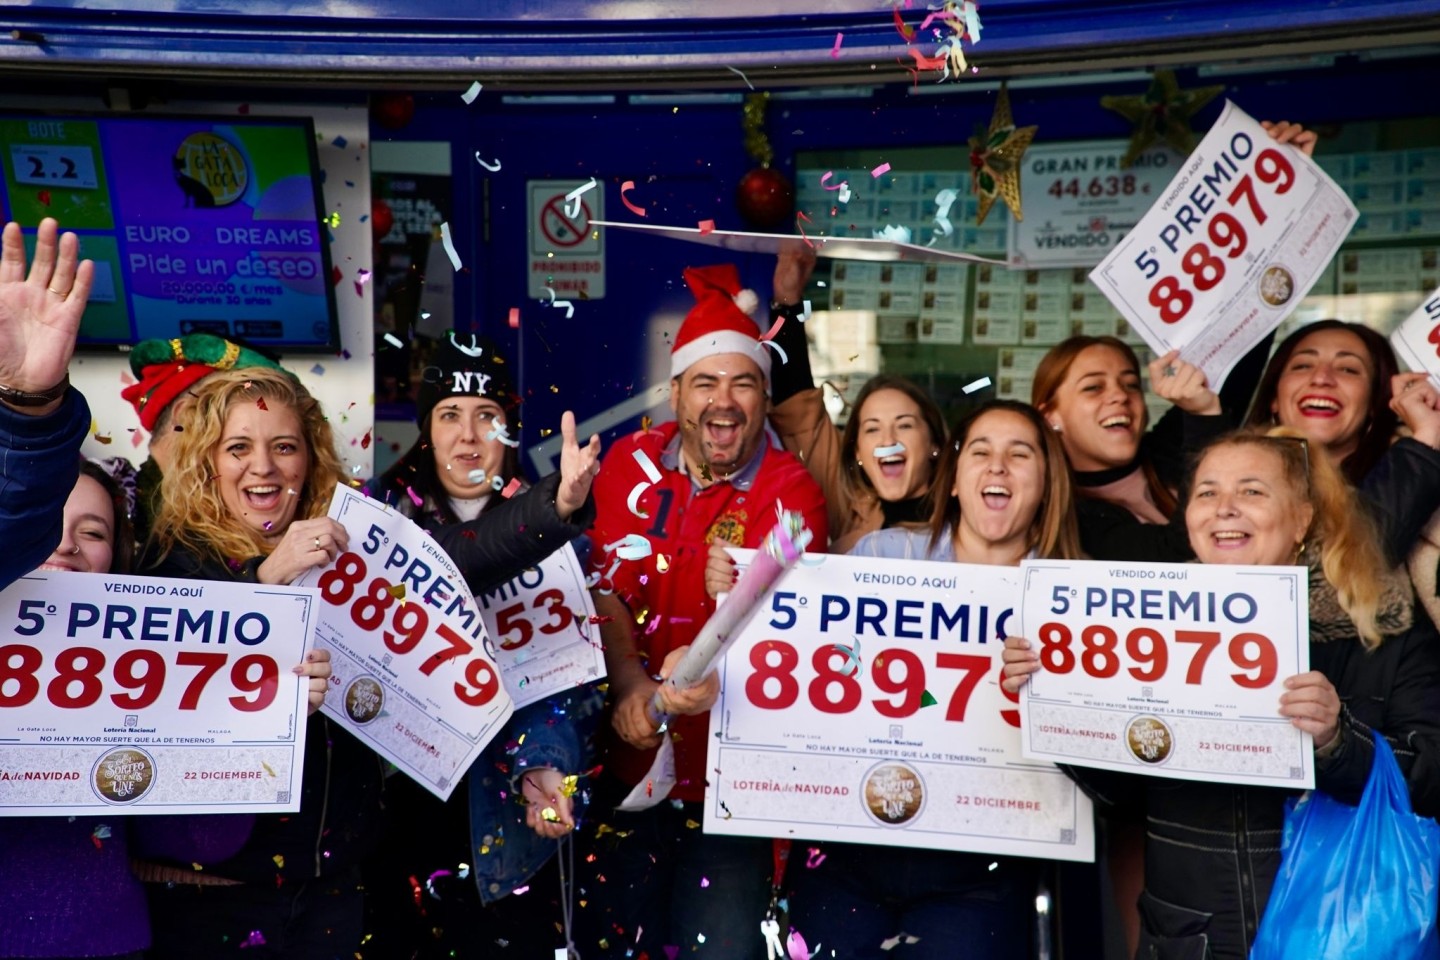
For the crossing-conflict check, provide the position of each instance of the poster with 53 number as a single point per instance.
(413, 675)
(1229, 248)
(863, 704)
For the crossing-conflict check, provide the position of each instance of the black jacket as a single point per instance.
(1402, 490)
(1213, 850)
(513, 534)
(341, 786)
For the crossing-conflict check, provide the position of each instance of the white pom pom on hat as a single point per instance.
(720, 322)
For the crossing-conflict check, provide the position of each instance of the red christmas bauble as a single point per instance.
(765, 199)
(382, 218)
(393, 110)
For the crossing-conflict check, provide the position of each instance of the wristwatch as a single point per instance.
(19, 398)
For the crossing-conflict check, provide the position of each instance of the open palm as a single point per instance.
(40, 313)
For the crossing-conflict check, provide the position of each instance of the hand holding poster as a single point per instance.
(863, 704)
(542, 619)
(1230, 247)
(412, 673)
(1171, 670)
(150, 695)
(1417, 339)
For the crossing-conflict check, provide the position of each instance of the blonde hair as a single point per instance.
(191, 514)
(1341, 529)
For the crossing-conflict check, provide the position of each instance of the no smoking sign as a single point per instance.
(566, 253)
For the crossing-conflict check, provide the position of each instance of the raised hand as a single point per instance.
(1283, 131)
(578, 467)
(40, 313)
(1183, 384)
(305, 544)
(792, 271)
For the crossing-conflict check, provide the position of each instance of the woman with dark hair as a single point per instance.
(69, 891)
(1213, 849)
(1337, 384)
(1007, 497)
(877, 472)
(461, 480)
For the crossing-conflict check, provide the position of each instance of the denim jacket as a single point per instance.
(555, 732)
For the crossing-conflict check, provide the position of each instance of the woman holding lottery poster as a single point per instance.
(69, 891)
(252, 474)
(457, 879)
(1089, 389)
(1008, 499)
(1213, 850)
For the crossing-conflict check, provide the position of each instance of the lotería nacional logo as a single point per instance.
(364, 699)
(1149, 739)
(894, 793)
(123, 775)
(210, 170)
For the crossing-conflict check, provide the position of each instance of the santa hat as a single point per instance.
(720, 322)
(167, 368)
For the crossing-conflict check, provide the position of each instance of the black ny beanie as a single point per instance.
(464, 365)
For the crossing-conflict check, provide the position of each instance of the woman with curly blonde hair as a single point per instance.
(254, 469)
(252, 473)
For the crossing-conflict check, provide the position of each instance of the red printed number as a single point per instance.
(409, 626)
(81, 679)
(1148, 655)
(898, 673)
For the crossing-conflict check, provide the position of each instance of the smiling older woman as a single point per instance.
(1213, 849)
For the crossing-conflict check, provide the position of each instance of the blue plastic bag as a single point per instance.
(1355, 882)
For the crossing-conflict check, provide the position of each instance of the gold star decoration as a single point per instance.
(995, 159)
(1161, 113)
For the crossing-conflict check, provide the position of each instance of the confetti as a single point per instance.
(625, 188)
(397, 591)
(103, 438)
(260, 402)
(880, 171)
(826, 176)
(835, 50)
(851, 667)
(844, 195)
(394, 341)
(418, 500)
(494, 169)
(927, 699)
(980, 384)
(662, 563)
(784, 357)
(502, 433)
(469, 95)
(332, 221)
(569, 307)
(572, 199)
(774, 329)
(318, 370)
(514, 318)
(944, 200)
(279, 861)
(632, 546)
(652, 475)
(449, 245)
(800, 215)
(365, 440)
(706, 226)
(894, 450)
(511, 488)
(895, 234)
(474, 350)
(907, 33)
(477, 476)
(256, 939)
(741, 76)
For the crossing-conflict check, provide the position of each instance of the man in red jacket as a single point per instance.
(715, 475)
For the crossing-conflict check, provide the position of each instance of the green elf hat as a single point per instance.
(167, 368)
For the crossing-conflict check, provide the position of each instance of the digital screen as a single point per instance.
(195, 224)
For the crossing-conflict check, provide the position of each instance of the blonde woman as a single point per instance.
(253, 470)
